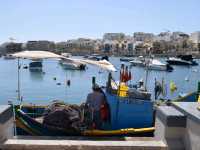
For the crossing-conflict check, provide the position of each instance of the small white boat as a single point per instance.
(67, 55)
(67, 64)
(155, 64)
(139, 61)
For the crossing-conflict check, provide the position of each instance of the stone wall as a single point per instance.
(179, 125)
(6, 123)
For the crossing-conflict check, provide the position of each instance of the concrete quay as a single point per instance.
(177, 128)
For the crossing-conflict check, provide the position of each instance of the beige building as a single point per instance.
(80, 46)
(195, 37)
(143, 37)
(40, 45)
(113, 36)
(163, 36)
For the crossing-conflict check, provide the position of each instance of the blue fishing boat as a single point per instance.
(128, 116)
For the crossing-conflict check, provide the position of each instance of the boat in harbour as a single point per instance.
(186, 60)
(96, 57)
(129, 114)
(71, 65)
(35, 65)
(151, 64)
(126, 59)
(155, 64)
(138, 61)
(67, 55)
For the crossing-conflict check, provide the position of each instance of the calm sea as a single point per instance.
(41, 88)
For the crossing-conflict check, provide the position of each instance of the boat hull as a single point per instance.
(70, 66)
(183, 63)
(157, 67)
(126, 59)
(127, 116)
(28, 126)
(137, 63)
(129, 112)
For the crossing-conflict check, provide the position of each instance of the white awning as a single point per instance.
(104, 64)
(36, 55)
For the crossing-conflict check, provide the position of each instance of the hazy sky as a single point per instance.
(64, 19)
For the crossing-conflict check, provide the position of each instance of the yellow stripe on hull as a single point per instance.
(118, 132)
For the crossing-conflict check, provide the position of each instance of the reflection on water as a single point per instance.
(36, 75)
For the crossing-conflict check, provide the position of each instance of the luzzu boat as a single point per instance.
(131, 112)
(129, 115)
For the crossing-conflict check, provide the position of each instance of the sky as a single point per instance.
(60, 20)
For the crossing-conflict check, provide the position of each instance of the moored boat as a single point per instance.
(151, 64)
(26, 125)
(186, 60)
(71, 65)
(158, 65)
(67, 55)
(128, 115)
(35, 65)
(96, 57)
(139, 61)
(126, 59)
(178, 61)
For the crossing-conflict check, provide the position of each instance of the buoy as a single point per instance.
(54, 78)
(68, 82)
(186, 79)
(25, 67)
(58, 83)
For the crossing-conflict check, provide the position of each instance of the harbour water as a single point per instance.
(41, 88)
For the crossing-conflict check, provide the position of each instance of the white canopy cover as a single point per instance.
(36, 55)
(104, 64)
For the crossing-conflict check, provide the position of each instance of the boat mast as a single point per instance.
(147, 62)
(147, 73)
(18, 80)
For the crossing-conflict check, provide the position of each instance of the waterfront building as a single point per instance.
(163, 36)
(179, 36)
(80, 46)
(110, 46)
(10, 47)
(195, 37)
(61, 47)
(114, 36)
(143, 37)
(40, 45)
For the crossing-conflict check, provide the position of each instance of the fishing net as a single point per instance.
(64, 116)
